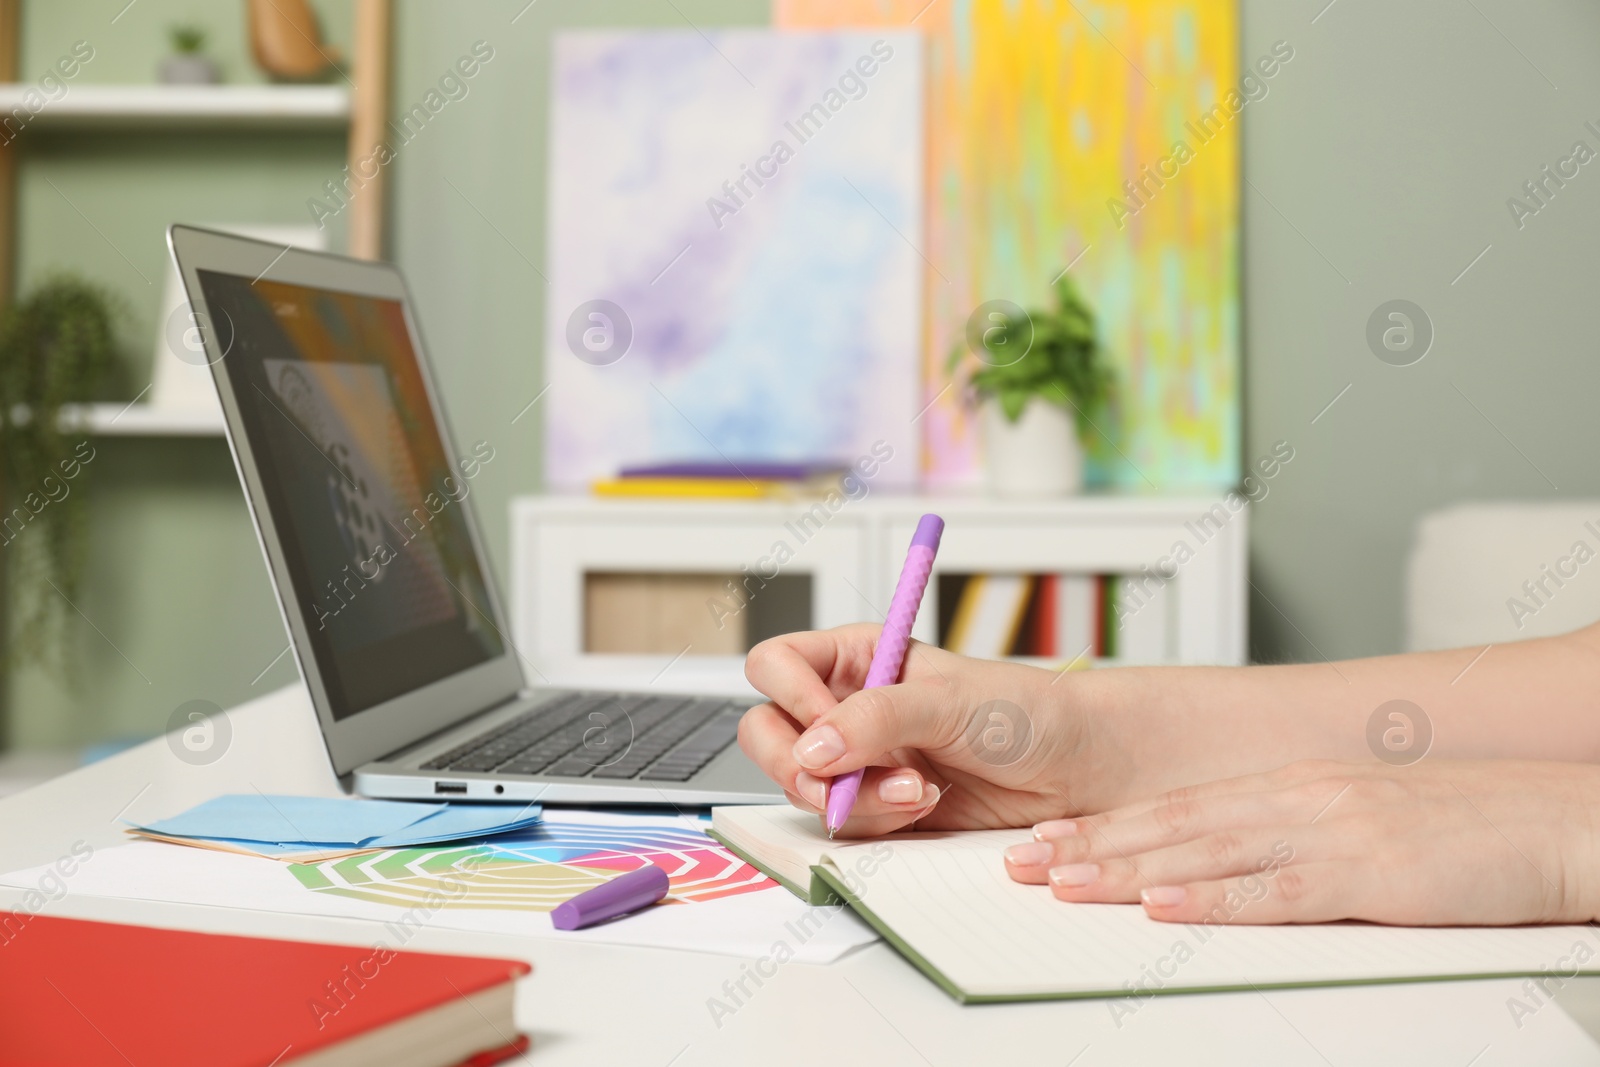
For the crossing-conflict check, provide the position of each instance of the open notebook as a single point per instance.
(945, 902)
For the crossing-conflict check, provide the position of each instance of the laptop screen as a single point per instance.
(362, 494)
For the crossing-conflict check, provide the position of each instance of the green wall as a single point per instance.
(1390, 146)
(1387, 146)
(176, 582)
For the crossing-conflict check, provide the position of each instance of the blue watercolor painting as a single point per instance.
(734, 266)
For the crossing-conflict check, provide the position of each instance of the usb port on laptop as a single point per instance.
(450, 787)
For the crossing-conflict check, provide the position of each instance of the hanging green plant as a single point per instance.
(56, 348)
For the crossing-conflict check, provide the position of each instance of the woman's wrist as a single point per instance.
(1142, 731)
(1123, 730)
(1086, 747)
(1577, 856)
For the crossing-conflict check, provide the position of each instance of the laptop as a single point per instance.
(362, 502)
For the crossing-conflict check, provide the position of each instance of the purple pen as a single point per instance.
(890, 654)
(622, 894)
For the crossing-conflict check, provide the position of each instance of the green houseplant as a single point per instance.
(1042, 380)
(187, 65)
(56, 347)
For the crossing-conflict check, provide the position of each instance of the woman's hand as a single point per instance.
(958, 744)
(1436, 843)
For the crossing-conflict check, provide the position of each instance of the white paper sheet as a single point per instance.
(508, 894)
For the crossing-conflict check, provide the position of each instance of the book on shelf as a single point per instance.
(760, 470)
(1072, 617)
(989, 615)
(734, 480)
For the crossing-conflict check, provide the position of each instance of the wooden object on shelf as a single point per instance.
(369, 115)
(286, 42)
(654, 614)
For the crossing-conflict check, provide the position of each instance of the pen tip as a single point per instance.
(830, 833)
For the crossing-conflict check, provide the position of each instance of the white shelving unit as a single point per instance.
(127, 106)
(140, 420)
(124, 108)
(134, 420)
(853, 556)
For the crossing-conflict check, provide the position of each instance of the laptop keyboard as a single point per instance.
(607, 736)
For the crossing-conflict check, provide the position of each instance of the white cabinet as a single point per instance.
(1186, 554)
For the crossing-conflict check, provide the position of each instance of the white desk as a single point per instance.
(588, 1004)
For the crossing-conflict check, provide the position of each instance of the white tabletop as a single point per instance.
(598, 1004)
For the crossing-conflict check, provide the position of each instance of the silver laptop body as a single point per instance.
(361, 501)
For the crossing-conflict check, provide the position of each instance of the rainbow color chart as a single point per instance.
(538, 869)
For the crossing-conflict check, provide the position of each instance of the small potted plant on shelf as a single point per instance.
(56, 347)
(1041, 382)
(186, 65)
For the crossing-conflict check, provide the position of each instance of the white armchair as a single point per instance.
(1492, 572)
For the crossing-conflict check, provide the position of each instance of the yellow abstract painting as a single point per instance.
(1103, 137)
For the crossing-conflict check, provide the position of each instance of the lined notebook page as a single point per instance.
(781, 838)
(948, 897)
(786, 839)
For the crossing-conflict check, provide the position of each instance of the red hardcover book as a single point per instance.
(88, 994)
(1046, 610)
(1101, 644)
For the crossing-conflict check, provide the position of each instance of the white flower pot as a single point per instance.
(188, 69)
(1039, 455)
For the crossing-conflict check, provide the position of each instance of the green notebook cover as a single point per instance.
(836, 886)
(828, 888)
(841, 892)
(818, 894)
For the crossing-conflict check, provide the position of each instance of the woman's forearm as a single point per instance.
(1173, 726)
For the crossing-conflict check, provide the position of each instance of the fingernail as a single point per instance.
(1164, 896)
(812, 789)
(900, 789)
(1075, 875)
(1031, 854)
(1055, 828)
(818, 747)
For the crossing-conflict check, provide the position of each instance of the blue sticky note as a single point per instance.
(456, 822)
(275, 825)
(300, 820)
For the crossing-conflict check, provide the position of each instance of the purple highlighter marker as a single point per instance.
(890, 654)
(622, 894)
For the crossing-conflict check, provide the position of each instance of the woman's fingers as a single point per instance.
(767, 735)
(1260, 854)
(1300, 773)
(1086, 840)
(865, 725)
(807, 673)
(884, 790)
(1304, 893)
(902, 788)
(863, 823)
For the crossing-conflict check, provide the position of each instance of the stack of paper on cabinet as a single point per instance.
(945, 902)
